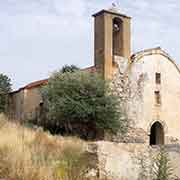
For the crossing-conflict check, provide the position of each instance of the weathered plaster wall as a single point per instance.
(142, 108)
(24, 104)
(16, 105)
(130, 161)
(32, 100)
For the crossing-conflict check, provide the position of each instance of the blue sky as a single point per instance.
(40, 36)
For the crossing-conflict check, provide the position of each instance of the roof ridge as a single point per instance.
(146, 50)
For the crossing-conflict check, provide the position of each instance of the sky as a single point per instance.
(38, 37)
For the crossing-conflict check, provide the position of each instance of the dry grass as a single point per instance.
(27, 154)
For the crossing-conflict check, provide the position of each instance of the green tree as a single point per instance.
(67, 68)
(162, 168)
(5, 88)
(81, 103)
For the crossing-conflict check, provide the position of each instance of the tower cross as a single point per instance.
(115, 4)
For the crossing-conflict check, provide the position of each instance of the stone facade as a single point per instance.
(112, 37)
(143, 108)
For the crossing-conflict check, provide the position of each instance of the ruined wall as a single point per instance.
(122, 87)
(130, 161)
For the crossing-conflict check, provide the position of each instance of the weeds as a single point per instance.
(27, 154)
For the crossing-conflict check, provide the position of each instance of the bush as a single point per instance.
(162, 167)
(27, 154)
(5, 88)
(81, 103)
(73, 165)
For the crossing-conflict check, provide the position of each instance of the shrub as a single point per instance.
(81, 103)
(73, 164)
(5, 88)
(162, 167)
(27, 154)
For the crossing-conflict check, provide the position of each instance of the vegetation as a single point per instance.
(31, 154)
(71, 68)
(27, 154)
(80, 103)
(5, 88)
(162, 167)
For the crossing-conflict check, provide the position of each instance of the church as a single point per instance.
(147, 81)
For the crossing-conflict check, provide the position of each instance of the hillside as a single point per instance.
(31, 154)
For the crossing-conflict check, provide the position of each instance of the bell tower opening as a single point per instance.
(117, 37)
(157, 134)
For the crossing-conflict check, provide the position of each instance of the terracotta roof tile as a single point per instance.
(36, 83)
(90, 69)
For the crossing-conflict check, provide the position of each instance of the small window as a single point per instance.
(157, 97)
(158, 78)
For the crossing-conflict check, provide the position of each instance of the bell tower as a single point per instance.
(111, 39)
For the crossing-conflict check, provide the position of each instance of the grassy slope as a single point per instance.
(27, 154)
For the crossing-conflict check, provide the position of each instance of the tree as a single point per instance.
(5, 88)
(81, 103)
(162, 167)
(67, 68)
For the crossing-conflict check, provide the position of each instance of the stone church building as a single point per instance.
(147, 81)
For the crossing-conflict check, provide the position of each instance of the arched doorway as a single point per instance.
(157, 134)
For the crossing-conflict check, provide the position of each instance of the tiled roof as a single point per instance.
(32, 85)
(36, 83)
(45, 81)
(90, 69)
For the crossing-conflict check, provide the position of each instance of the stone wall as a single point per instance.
(24, 104)
(135, 85)
(32, 100)
(122, 87)
(142, 106)
(16, 105)
(120, 161)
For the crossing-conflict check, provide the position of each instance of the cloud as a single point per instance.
(39, 36)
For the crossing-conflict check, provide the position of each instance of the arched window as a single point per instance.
(117, 37)
(157, 134)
